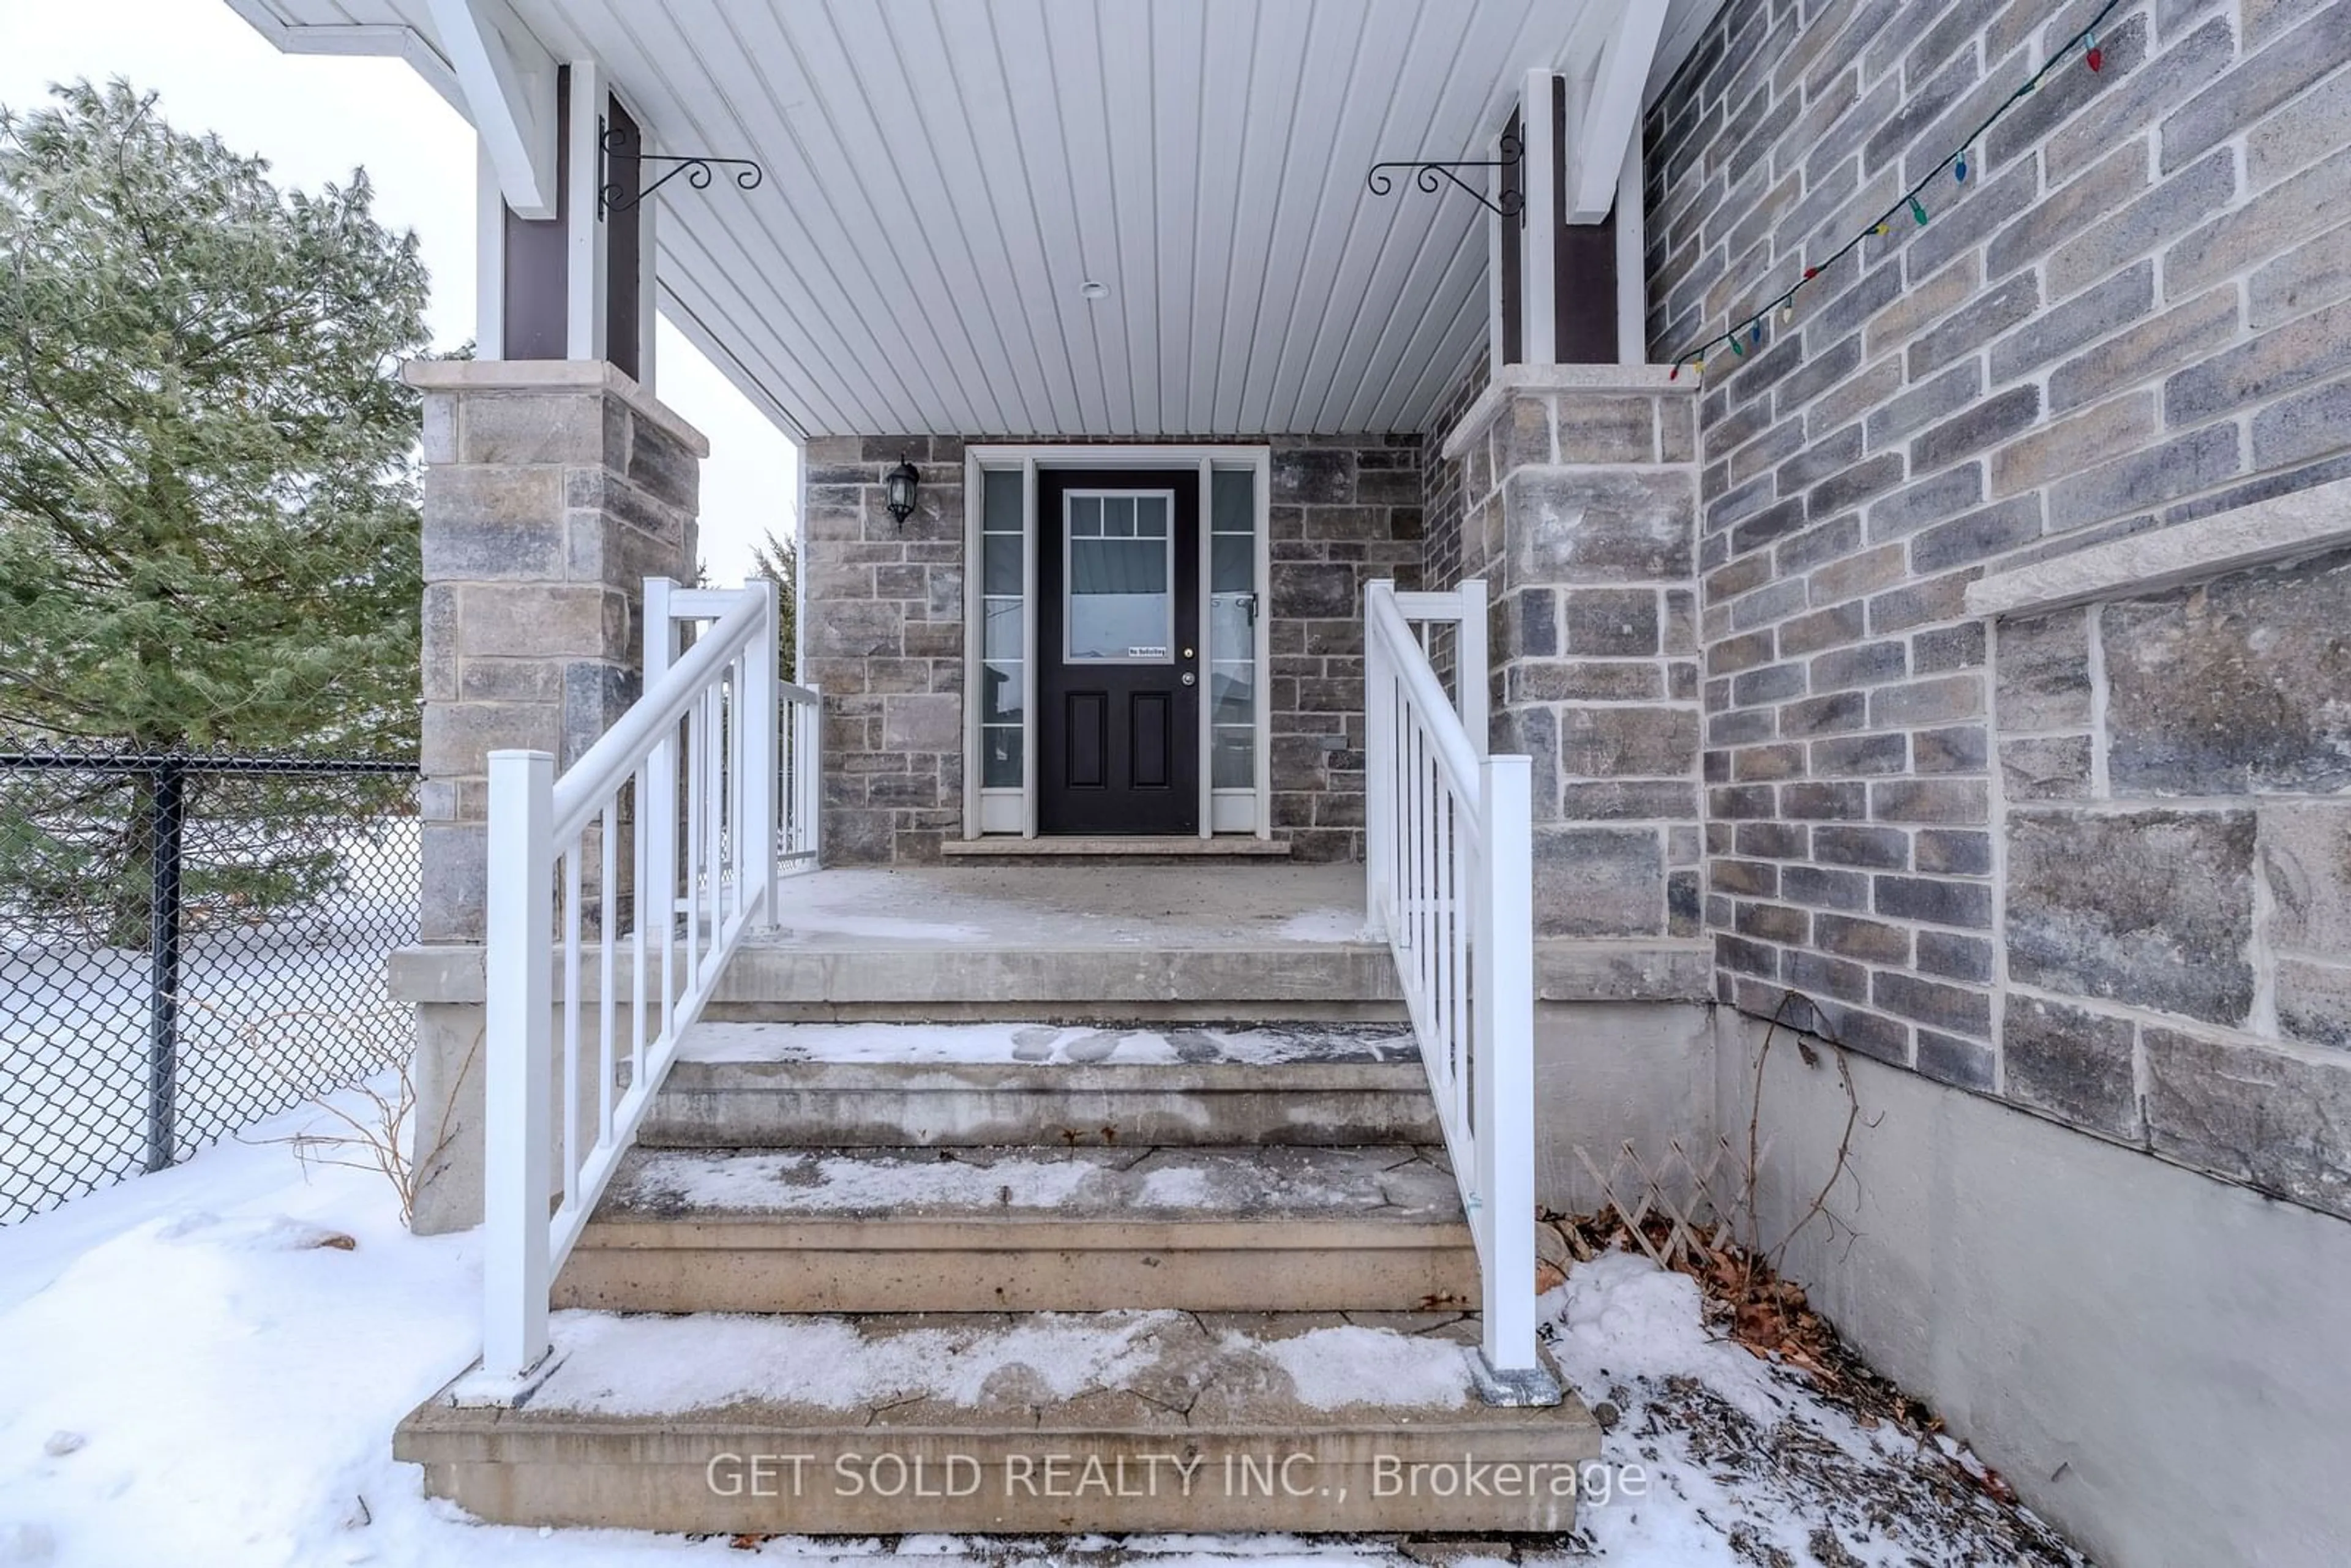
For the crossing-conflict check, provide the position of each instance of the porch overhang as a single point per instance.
(943, 183)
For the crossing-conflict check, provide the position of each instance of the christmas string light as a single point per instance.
(1752, 327)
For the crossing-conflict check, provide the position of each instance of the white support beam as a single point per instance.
(1632, 260)
(1611, 116)
(489, 260)
(584, 271)
(509, 86)
(1539, 262)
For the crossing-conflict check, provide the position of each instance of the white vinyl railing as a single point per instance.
(701, 791)
(1449, 842)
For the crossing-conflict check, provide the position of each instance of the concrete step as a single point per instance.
(781, 979)
(777, 1085)
(1026, 1230)
(1109, 1424)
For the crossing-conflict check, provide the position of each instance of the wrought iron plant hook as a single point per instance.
(1430, 176)
(699, 169)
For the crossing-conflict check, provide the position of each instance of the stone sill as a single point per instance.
(1513, 380)
(2280, 529)
(1001, 846)
(553, 375)
(1631, 969)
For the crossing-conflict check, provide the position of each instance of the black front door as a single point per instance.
(1118, 619)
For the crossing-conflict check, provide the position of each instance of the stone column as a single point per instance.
(552, 489)
(1580, 507)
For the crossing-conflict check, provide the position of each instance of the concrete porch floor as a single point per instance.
(1248, 906)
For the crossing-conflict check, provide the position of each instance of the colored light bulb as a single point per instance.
(1918, 211)
(2097, 56)
(1960, 169)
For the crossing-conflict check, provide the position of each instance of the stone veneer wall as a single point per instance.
(2129, 316)
(552, 489)
(883, 631)
(1579, 492)
(2176, 774)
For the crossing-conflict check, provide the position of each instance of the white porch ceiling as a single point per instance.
(943, 175)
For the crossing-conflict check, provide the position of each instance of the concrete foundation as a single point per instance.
(2152, 1357)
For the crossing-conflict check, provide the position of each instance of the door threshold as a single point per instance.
(1187, 846)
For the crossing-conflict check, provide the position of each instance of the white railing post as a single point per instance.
(1504, 1056)
(1470, 673)
(516, 1176)
(657, 813)
(761, 761)
(1379, 764)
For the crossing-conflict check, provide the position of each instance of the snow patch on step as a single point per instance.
(617, 1365)
(1086, 1183)
(1330, 1368)
(631, 1365)
(991, 1044)
(801, 1182)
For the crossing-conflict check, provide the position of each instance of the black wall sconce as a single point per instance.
(900, 483)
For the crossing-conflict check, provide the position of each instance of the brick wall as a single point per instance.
(884, 633)
(1442, 501)
(2129, 316)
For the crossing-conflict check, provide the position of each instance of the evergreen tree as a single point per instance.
(772, 557)
(208, 530)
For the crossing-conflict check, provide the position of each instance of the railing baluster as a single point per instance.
(638, 892)
(713, 822)
(572, 1152)
(690, 871)
(608, 988)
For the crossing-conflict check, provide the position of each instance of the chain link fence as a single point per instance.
(189, 942)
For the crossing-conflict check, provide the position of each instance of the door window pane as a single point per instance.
(1004, 654)
(999, 763)
(1120, 591)
(1001, 574)
(1233, 609)
(1000, 693)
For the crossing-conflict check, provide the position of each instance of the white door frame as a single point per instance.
(1009, 811)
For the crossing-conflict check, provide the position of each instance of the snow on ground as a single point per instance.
(270, 1014)
(1742, 1462)
(192, 1373)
